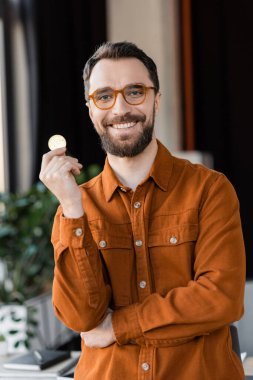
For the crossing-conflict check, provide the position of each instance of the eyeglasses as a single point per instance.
(133, 94)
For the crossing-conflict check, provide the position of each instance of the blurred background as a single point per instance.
(204, 54)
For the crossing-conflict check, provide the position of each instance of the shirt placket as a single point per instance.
(144, 285)
(139, 213)
(146, 362)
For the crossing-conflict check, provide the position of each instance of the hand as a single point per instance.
(56, 173)
(102, 335)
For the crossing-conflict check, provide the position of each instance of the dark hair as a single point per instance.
(119, 50)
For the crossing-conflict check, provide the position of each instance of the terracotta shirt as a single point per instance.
(169, 259)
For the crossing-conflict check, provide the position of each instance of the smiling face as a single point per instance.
(125, 130)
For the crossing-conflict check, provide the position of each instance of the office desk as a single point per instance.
(47, 374)
(248, 367)
(40, 378)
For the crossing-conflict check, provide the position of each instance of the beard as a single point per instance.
(125, 147)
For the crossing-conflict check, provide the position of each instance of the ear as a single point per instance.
(157, 102)
(90, 110)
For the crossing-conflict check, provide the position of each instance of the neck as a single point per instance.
(132, 170)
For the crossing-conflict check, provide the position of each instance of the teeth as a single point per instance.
(123, 126)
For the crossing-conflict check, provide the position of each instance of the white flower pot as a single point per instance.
(3, 348)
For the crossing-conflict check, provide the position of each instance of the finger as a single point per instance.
(47, 157)
(69, 166)
(62, 169)
(69, 169)
(85, 340)
(54, 164)
(57, 163)
(77, 170)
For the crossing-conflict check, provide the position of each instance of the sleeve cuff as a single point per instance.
(72, 231)
(126, 325)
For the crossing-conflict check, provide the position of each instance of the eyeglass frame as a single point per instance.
(121, 91)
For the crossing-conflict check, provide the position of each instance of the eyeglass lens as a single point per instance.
(133, 94)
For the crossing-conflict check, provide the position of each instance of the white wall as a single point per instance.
(245, 325)
(153, 26)
(3, 121)
(22, 108)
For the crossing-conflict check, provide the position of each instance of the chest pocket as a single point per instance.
(173, 236)
(117, 256)
(171, 253)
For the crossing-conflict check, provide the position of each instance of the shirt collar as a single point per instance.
(160, 172)
(162, 167)
(109, 180)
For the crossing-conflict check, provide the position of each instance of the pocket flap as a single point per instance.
(105, 241)
(173, 236)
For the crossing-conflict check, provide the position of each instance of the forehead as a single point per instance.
(117, 73)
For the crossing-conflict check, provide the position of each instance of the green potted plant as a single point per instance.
(26, 254)
(26, 259)
(3, 345)
(25, 249)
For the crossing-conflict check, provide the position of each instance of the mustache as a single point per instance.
(125, 119)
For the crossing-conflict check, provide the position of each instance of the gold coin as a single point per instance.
(56, 141)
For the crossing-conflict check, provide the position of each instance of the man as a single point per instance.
(149, 255)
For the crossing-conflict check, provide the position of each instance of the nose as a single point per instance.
(121, 107)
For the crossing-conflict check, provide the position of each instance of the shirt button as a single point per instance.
(173, 240)
(143, 284)
(145, 366)
(138, 243)
(102, 243)
(137, 204)
(78, 231)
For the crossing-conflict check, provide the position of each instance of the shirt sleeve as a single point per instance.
(213, 298)
(80, 293)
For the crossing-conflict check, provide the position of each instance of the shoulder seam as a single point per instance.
(214, 180)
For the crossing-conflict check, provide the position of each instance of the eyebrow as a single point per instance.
(103, 88)
(129, 84)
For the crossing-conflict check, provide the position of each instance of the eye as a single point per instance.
(135, 91)
(104, 97)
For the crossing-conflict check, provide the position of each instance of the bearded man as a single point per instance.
(149, 255)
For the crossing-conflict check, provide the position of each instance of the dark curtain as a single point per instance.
(68, 32)
(223, 82)
(20, 43)
(59, 36)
